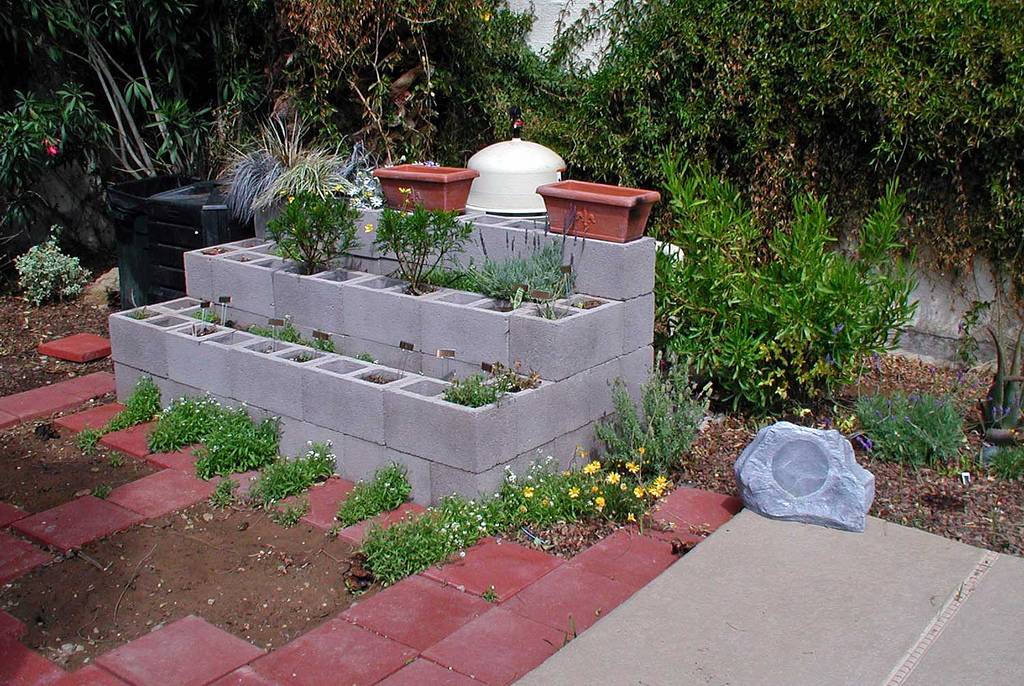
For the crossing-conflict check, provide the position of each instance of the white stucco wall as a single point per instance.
(546, 14)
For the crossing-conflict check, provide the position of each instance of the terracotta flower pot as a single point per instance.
(436, 188)
(596, 210)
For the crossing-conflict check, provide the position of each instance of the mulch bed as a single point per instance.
(987, 512)
(234, 568)
(23, 327)
(41, 466)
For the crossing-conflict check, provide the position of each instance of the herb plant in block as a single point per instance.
(421, 240)
(314, 231)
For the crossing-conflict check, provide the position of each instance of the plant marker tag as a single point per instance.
(445, 352)
(566, 268)
(487, 367)
(204, 304)
(275, 322)
(224, 299)
(406, 346)
(965, 478)
(540, 295)
(321, 335)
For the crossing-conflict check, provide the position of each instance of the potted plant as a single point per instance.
(433, 187)
(596, 210)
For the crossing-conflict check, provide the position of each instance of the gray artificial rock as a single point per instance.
(801, 474)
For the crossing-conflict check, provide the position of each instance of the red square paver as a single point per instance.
(11, 628)
(627, 556)
(335, 653)
(417, 611)
(18, 557)
(244, 676)
(497, 647)
(183, 460)
(569, 599)
(506, 567)
(20, 666)
(91, 675)
(160, 493)
(188, 652)
(64, 395)
(324, 500)
(357, 532)
(132, 441)
(693, 511)
(10, 513)
(81, 347)
(75, 523)
(7, 420)
(424, 672)
(93, 418)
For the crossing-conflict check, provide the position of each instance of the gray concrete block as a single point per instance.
(199, 274)
(125, 378)
(298, 436)
(316, 301)
(266, 380)
(377, 311)
(446, 368)
(248, 279)
(575, 340)
(142, 343)
(471, 326)
(172, 390)
(417, 470)
(612, 270)
(180, 306)
(202, 361)
(637, 322)
(336, 398)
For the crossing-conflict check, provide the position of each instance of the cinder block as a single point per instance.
(376, 310)
(316, 301)
(446, 368)
(344, 394)
(298, 436)
(199, 273)
(142, 343)
(248, 279)
(576, 339)
(417, 470)
(264, 379)
(172, 390)
(472, 326)
(637, 323)
(618, 271)
(180, 306)
(125, 378)
(197, 355)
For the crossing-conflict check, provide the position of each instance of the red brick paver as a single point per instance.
(334, 653)
(160, 493)
(81, 347)
(20, 666)
(324, 500)
(11, 628)
(10, 513)
(693, 511)
(569, 599)
(18, 557)
(64, 395)
(626, 556)
(188, 652)
(75, 523)
(244, 676)
(7, 420)
(497, 647)
(416, 611)
(132, 441)
(91, 675)
(506, 567)
(181, 460)
(93, 418)
(354, 534)
(424, 672)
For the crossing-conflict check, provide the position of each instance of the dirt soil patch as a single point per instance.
(41, 466)
(565, 539)
(234, 568)
(987, 512)
(23, 327)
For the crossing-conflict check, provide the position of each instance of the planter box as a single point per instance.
(577, 339)
(436, 188)
(315, 301)
(335, 398)
(596, 210)
(248, 278)
(263, 378)
(467, 323)
(377, 310)
(142, 343)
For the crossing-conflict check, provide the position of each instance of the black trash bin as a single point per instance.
(156, 220)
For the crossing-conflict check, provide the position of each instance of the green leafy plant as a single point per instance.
(289, 334)
(477, 390)
(911, 429)
(236, 444)
(388, 489)
(780, 319)
(224, 494)
(1001, 408)
(46, 274)
(206, 314)
(88, 439)
(541, 271)
(661, 430)
(185, 421)
(290, 514)
(101, 491)
(1008, 463)
(142, 405)
(313, 231)
(283, 477)
(366, 357)
(421, 240)
(116, 460)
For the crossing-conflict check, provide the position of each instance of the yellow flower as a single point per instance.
(522, 508)
(574, 493)
(368, 228)
(632, 467)
(613, 478)
(405, 191)
(528, 492)
(599, 502)
(639, 491)
(592, 467)
(486, 16)
(641, 450)
(593, 489)
(546, 502)
(291, 199)
(631, 517)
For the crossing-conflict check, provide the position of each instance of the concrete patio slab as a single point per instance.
(63, 395)
(421, 672)
(20, 666)
(161, 493)
(501, 567)
(91, 675)
(357, 532)
(768, 602)
(132, 441)
(10, 513)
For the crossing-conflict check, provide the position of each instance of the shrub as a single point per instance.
(782, 319)
(313, 231)
(541, 271)
(236, 444)
(389, 489)
(1008, 463)
(45, 273)
(662, 429)
(283, 478)
(184, 422)
(421, 240)
(911, 429)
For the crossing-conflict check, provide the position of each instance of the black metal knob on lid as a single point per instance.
(516, 115)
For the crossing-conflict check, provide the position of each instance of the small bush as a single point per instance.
(237, 444)
(541, 271)
(662, 429)
(314, 231)
(421, 241)
(389, 489)
(46, 274)
(911, 429)
(283, 478)
(141, 406)
(1008, 463)
(184, 422)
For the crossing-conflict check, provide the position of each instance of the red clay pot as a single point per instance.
(436, 188)
(597, 210)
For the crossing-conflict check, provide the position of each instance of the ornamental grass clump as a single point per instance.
(388, 490)
(236, 444)
(911, 429)
(283, 477)
(422, 241)
(541, 271)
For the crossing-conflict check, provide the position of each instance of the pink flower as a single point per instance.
(51, 148)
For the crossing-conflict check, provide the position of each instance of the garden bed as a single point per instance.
(234, 568)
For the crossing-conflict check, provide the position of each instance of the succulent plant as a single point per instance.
(1001, 409)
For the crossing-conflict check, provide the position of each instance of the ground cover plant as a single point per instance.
(187, 420)
(140, 407)
(912, 429)
(284, 477)
(1008, 463)
(289, 334)
(388, 489)
(421, 241)
(235, 443)
(313, 231)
